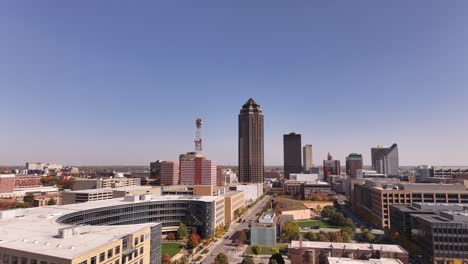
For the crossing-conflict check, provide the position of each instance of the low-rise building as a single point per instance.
(308, 252)
(252, 191)
(82, 196)
(304, 177)
(38, 236)
(372, 199)
(264, 231)
(99, 183)
(7, 183)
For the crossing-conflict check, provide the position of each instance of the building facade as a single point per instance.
(331, 167)
(251, 155)
(169, 173)
(198, 171)
(307, 158)
(385, 160)
(308, 252)
(353, 164)
(292, 154)
(372, 200)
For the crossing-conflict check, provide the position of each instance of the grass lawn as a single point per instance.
(284, 204)
(266, 250)
(171, 248)
(313, 222)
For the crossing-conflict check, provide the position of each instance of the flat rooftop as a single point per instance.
(36, 229)
(352, 246)
(333, 260)
(101, 190)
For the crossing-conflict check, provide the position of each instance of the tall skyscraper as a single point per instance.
(292, 154)
(331, 167)
(307, 158)
(155, 171)
(251, 142)
(353, 163)
(385, 160)
(197, 170)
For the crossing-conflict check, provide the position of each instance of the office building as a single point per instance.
(305, 189)
(385, 160)
(303, 177)
(292, 154)
(27, 181)
(373, 198)
(331, 167)
(252, 191)
(361, 173)
(229, 176)
(220, 179)
(198, 171)
(169, 173)
(83, 196)
(155, 171)
(307, 158)
(251, 155)
(308, 252)
(450, 172)
(353, 164)
(99, 183)
(401, 216)
(423, 173)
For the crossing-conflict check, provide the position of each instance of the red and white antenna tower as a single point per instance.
(198, 139)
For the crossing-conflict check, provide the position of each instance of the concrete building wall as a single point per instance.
(208, 172)
(233, 201)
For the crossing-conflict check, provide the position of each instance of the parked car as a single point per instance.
(316, 227)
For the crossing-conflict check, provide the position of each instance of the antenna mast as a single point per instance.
(198, 139)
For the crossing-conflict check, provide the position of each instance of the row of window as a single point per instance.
(102, 257)
(7, 259)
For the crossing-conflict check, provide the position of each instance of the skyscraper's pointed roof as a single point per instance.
(250, 103)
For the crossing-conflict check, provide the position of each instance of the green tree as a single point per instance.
(256, 249)
(181, 231)
(182, 260)
(291, 230)
(311, 236)
(278, 258)
(248, 261)
(52, 201)
(221, 258)
(368, 236)
(275, 249)
(327, 211)
(323, 237)
(29, 198)
(346, 237)
(243, 236)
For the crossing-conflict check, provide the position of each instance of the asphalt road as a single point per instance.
(227, 244)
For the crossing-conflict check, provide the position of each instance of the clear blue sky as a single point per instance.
(121, 82)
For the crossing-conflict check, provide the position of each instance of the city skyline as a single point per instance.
(83, 88)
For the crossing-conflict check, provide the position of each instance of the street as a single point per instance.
(227, 244)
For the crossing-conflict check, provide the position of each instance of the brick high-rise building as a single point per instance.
(197, 170)
(169, 173)
(307, 161)
(251, 153)
(292, 154)
(353, 163)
